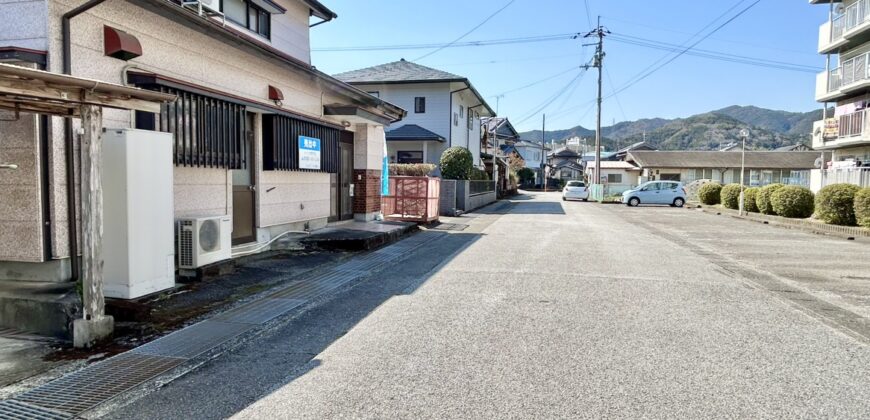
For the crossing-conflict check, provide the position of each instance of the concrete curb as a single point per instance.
(847, 232)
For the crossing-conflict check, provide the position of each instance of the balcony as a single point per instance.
(852, 76)
(847, 29)
(856, 176)
(843, 131)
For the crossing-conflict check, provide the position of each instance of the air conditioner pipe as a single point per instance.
(243, 253)
(72, 235)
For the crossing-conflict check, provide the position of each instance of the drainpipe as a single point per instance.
(70, 142)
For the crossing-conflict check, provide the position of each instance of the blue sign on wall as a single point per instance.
(309, 153)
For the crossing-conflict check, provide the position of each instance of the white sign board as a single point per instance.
(309, 153)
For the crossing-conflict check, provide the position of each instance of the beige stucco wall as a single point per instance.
(20, 202)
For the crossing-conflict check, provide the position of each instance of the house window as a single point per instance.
(419, 105)
(375, 93)
(456, 119)
(461, 111)
(409, 157)
(614, 178)
(248, 15)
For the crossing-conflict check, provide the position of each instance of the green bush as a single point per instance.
(478, 174)
(730, 196)
(411, 169)
(793, 201)
(456, 163)
(709, 194)
(526, 174)
(862, 207)
(835, 204)
(762, 200)
(749, 196)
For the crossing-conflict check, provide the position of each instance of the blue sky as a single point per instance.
(780, 30)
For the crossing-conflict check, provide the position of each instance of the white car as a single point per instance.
(575, 190)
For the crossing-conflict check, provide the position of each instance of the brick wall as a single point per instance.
(367, 191)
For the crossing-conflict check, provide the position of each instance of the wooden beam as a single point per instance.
(92, 212)
(34, 90)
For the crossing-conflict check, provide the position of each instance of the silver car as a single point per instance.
(672, 193)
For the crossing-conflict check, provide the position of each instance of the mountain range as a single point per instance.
(769, 129)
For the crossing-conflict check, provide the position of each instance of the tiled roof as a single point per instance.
(397, 71)
(614, 164)
(564, 152)
(412, 132)
(717, 159)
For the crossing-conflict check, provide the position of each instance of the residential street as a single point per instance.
(547, 309)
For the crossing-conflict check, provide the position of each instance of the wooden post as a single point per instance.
(95, 325)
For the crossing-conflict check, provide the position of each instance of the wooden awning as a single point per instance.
(36, 91)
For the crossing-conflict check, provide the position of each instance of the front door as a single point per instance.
(244, 230)
(345, 176)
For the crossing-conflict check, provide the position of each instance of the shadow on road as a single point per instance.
(258, 367)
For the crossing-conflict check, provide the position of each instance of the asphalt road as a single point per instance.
(554, 310)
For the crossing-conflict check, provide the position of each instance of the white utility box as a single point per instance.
(138, 213)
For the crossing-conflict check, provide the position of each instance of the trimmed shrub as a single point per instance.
(835, 204)
(411, 169)
(478, 174)
(762, 200)
(793, 202)
(709, 194)
(862, 207)
(749, 196)
(730, 196)
(456, 163)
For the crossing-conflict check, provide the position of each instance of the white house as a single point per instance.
(617, 176)
(444, 109)
(247, 92)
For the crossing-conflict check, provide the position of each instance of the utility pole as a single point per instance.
(598, 62)
(543, 142)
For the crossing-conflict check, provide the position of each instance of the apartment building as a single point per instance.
(248, 95)
(844, 40)
(444, 109)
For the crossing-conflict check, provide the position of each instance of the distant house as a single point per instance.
(621, 154)
(533, 155)
(444, 109)
(762, 167)
(565, 164)
(617, 176)
(798, 147)
(495, 133)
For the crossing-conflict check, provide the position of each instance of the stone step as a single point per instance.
(45, 308)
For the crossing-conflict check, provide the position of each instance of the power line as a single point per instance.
(513, 60)
(502, 41)
(537, 82)
(541, 107)
(467, 33)
(734, 58)
(643, 76)
(588, 13)
(613, 88)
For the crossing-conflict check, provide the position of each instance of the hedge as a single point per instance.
(793, 201)
(835, 204)
(862, 207)
(477, 174)
(709, 194)
(456, 163)
(411, 169)
(762, 199)
(749, 196)
(730, 196)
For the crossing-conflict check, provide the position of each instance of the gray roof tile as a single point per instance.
(397, 71)
(412, 132)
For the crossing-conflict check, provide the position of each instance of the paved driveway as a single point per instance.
(574, 309)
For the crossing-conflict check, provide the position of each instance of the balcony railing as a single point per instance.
(856, 176)
(838, 26)
(855, 14)
(850, 71)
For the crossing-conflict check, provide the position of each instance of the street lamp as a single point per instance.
(744, 133)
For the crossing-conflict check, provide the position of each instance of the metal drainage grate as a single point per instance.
(316, 286)
(16, 410)
(260, 311)
(194, 340)
(450, 226)
(82, 390)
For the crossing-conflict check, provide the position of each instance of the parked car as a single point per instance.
(672, 193)
(575, 190)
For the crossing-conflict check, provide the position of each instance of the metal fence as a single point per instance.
(856, 176)
(480, 187)
(850, 71)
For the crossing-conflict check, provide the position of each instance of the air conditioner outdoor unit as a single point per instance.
(213, 5)
(203, 240)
